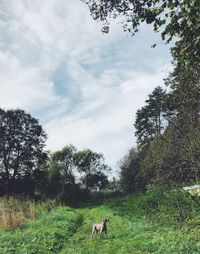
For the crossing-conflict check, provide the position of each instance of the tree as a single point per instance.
(174, 156)
(22, 140)
(63, 161)
(91, 164)
(177, 19)
(151, 120)
(114, 185)
(184, 83)
(96, 181)
(61, 174)
(130, 178)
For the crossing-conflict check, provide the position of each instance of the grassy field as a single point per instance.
(44, 235)
(124, 236)
(155, 222)
(127, 234)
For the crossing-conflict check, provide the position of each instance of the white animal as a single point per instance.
(100, 227)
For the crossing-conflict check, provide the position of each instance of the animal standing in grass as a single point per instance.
(100, 227)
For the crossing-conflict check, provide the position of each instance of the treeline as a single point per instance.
(168, 136)
(70, 175)
(67, 175)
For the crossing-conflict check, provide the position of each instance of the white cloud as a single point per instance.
(25, 87)
(84, 86)
(104, 122)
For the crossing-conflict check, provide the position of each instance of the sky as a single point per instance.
(84, 86)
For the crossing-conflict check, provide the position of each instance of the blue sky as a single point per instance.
(83, 86)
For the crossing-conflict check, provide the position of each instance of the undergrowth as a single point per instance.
(160, 205)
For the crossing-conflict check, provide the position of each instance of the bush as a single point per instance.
(169, 205)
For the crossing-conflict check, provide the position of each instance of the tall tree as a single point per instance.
(22, 140)
(184, 83)
(152, 119)
(61, 176)
(63, 161)
(90, 164)
(174, 157)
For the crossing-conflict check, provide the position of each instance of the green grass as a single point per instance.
(161, 222)
(44, 235)
(127, 234)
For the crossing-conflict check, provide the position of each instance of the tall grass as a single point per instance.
(44, 235)
(15, 211)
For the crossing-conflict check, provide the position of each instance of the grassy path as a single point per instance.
(68, 231)
(115, 242)
(126, 235)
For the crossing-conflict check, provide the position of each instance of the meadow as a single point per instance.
(43, 235)
(159, 221)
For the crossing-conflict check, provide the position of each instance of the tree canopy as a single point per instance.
(151, 119)
(93, 168)
(177, 19)
(22, 140)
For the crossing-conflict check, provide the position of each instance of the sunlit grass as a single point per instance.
(162, 221)
(142, 224)
(128, 234)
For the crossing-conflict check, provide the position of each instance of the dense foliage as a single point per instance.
(167, 131)
(22, 140)
(131, 179)
(70, 175)
(67, 175)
